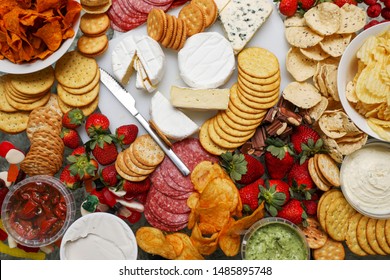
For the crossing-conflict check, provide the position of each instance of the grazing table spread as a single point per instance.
(203, 129)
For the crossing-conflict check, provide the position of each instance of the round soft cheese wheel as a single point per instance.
(206, 60)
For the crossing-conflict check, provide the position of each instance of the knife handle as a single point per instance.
(169, 152)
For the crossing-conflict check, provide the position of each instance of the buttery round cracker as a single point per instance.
(129, 177)
(324, 18)
(258, 62)
(75, 70)
(262, 105)
(179, 34)
(120, 163)
(156, 24)
(130, 155)
(209, 9)
(13, 122)
(174, 35)
(315, 236)
(234, 110)
(193, 18)
(261, 97)
(302, 94)
(169, 32)
(351, 236)
(92, 46)
(332, 250)
(207, 143)
(94, 24)
(11, 94)
(325, 202)
(87, 109)
(316, 179)
(248, 122)
(147, 151)
(329, 169)
(259, 81)
(33, 83)
(336, 219)
(4, 105)
(302, 37)
(229, 133)
(381, 236)
(183, 37)
(299, 66)
(263, 94)
(371, 237)
(230, 130)
(85, 89)
(29, 106)
(335, 44)
(259, 87)
(234, 98)
(361, 233)
(387, 231)
(352, 18)
(97, 9)
(78, 100)
(235, 125)
(314, 53)
(134, 167)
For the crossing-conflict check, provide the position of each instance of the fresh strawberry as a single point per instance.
(275, 193)
(126, 134)
(386, 13)
(255, 169)
(294, 212)
(83, 166)
(134, 217)
(5, 146)
(109, 176)
(71, 181)
(306, 4)
(370, 2)
(70, 137)
(250, 195)
(386, 3)
(300, 176)
(310, 207)
(306, 142)
(288, 7)
(103, 148)
(136, 187)
(97, 123)
(374, 11)
(371, 23)
(341, 3)
(73, 118)
(279, 158)
(79, 151)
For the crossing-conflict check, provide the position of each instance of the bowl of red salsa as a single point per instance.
(37, 211)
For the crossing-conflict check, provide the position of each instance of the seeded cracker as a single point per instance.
(332, 250)
(335, 44)
(303, 95)
(14, 122)
(147, 151)
(258, 62)
(78, 100)
(207, 143)
(33, 83)
(299, 66)
(352, 19)
(314, 53)
(324, 18)
(302, 37)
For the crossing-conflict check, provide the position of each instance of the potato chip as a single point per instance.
(176, 243)
(362, 92)
(335, 44)
(205, 172)
(299, 66)
(153, 241)
(302, 95)
(324, 18)
(380, 122)
(364, 52)
(218, 215)
(189, 252)
(204, 245)
(228, 242)
(352, 19)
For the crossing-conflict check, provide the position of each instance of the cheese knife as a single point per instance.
(128, 102)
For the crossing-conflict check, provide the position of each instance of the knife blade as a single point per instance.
(128, 102)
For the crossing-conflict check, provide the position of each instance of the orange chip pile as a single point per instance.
(34, 29)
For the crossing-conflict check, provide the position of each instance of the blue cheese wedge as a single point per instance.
(172, 122)
(242, 18)
(200, 99)
(221, 4)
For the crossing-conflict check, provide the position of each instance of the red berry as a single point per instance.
(79, 151)
(134, 217)
(109, 176)
(70, 137)
(288, 7)
(136, 187)
(310, 207)
(306, 4)
(341, 3)
(371, 23)
(70, 181)
(386, 3)
(293, 211)
(108, 197)
(255, 169)
(73, 118)
(374, 10)
(96, 123)
(106, 153)
(386, 13)
(126, 134)
(370, 2)
(250, 195)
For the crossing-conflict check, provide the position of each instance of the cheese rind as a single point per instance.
(172, 122)
(200, 99)
(242, 18)
(221, 4)
(206, 60)
(123, 57)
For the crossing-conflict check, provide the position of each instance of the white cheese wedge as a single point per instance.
(242, 18)
(172, 122)
(200, 99)
(142, 80)
(123, 57)
(206, 60)
(150, 56)
(221, 4)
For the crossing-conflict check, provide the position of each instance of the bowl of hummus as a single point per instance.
(365, 179)
(274, 239)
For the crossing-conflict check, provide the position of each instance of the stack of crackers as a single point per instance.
(45, 156)
(257, 90)
(324, 171)
(140, 159)
(95, 6)
(172, 31)
(20, 94)
(78, 79)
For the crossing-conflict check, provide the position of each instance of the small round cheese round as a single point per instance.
(206, 60)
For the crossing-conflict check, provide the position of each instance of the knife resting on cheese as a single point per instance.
(128, 102)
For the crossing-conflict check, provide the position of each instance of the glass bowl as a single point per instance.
(274, 239)
(37, 211)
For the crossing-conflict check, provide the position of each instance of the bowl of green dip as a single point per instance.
(274, 239)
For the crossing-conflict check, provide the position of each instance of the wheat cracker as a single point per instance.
(133, 166)
(207, 143)
(94, 24)
(332, 250)
(258, 62)
(33, 83)
(13, 122)
(361, 233)
(351, 236)
(147, 151)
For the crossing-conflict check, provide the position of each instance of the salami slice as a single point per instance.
(145, 7)
(130, 15)
(167, 218)
(158, 3)
(177, 3)
(157, 224)
(167, 167)
(160, 184)
(167, 203)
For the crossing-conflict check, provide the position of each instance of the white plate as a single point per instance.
(347, 70)
(269, 36)
(7, 66)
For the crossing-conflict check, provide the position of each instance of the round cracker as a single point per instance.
(13, 122)
(193, 18)
(129, 177)
(371, 237)
(302, 37)
(127, 159)
(361, 233)
(335, 44)
(94, 24)
(228, 129)
(33, 83)
(314, 53)
(236, 126)
(234, 110)
(87, 109)
(209, 9)
(351, 236)
(381, 236)
(332, 250)
(168, 35)
(78, 100)
(147, 151)
(337, 217)
(225, 140)
(315, 236)
(324, 18)
(259, 87)
(329, 169)
(156, 24)
(258, 62)
(259, 81)
(207, 143)
(120, 163)
(130, 153)
(352, 18)
(29, 106)
(262, 94)
(325, 202)
(75, 70)
(316, 179)
(85, 89)
(299, 66)
(88, 45)
(302, 94)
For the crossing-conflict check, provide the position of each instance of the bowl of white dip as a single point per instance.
(99, 236)
(365, 179)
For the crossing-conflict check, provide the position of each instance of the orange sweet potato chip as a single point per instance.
(51, 34)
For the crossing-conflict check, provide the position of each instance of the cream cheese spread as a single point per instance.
(365, 179)
(99, 236)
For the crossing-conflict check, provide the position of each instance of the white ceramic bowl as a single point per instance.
(347, 70)
(7, 66)
(99, 236)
